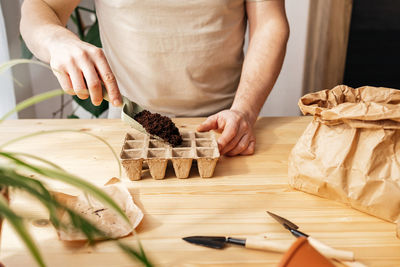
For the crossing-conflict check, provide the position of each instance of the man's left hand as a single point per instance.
(237, 136)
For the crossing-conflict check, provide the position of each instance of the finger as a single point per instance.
(242, 132)
(78, 83)
(234, 142)
(229, 134)
(250, 149)
(240, 146)
(209, 124)
(93, 83)
(65, 82)
(107, 77)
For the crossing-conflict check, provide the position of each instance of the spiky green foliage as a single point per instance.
(11, 175)
(14, 167)
(17, 223)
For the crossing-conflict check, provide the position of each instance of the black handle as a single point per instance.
(236, 241)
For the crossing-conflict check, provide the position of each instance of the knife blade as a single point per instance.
(288, 225)
(324, 249)
(220, 242)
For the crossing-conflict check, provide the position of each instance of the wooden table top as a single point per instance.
(232, 203)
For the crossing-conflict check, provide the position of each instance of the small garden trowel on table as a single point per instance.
(318, 245)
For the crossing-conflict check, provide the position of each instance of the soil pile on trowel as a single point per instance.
(160, 126)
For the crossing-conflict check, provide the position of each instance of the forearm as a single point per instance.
(42, 26)
(261, 67)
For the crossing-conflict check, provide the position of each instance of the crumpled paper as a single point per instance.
(350, 152)
(103, 217)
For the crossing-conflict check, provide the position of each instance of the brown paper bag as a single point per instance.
(350, 152)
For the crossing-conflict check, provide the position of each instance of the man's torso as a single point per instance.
(181, 58)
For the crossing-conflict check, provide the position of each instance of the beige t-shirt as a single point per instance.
(178, 58)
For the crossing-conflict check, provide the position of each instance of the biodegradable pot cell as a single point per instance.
(301, 253)
(182, 161)
(157, 167)
(139, 149)
(207, 158)
(132, 163)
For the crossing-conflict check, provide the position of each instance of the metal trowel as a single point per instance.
(321, 247)
(128, 112)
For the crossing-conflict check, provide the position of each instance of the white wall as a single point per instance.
(288, 89)
(23, 90)
(283, 98)
(7, 96)
(34, 79)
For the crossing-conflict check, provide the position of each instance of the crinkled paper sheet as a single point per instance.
(103, 217)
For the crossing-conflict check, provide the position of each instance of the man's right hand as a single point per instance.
(80, 67)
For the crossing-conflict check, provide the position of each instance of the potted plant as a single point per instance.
(15, 168)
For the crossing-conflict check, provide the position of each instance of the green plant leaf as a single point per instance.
(93, 35)
(84, 103)
(35, 188)
(9, 177)
(82, 184)
(8, 64)
(33, 100)
(88, 106)
(141, 256)
(69, 179)
(17, 223)
(10, 174)
(88, 229)
(51, 164)
(72, 131)
(86, 9)
(25, 52)
(73, 18)
(79, 23)
(72, 116)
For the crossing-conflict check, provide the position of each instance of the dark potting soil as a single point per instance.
(159, 125)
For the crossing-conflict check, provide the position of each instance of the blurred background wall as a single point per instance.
(282, 101)
(373, 53)
(6, 83)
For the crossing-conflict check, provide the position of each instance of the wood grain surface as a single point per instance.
(232, 203)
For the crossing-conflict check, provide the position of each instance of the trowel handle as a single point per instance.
(331, 252)
(262, 244)
(273, 246)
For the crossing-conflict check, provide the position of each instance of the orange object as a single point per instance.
(301, 253)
